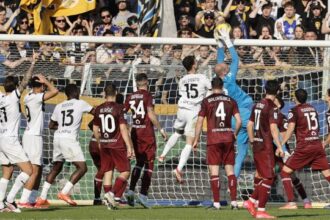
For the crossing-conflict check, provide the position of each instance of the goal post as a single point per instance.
(84, 61)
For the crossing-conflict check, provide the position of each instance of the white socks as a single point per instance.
(3, 188)
(170, 143)
(217, 205)
(25, 195)
(19, 183)
(185, 153)
(44, 191)
(66, 189)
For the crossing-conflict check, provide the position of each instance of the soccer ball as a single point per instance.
(223, 26)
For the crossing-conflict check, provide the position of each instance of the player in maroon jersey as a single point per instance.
(110, 131)
(303, 120)
(218, 110)
(94, 151)
(263, 131)
(283, 125)
(140, 103)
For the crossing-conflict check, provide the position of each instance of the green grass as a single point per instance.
(168, 213)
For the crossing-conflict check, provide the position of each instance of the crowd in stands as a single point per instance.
(254, 19)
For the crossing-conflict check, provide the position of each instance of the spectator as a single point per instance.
(239, 16)
(185, 33)
(207, 29)
(120, 19)
(309, 56)
(147, 58)
(185, 8)
(314, 19)
(210, 6)
(299, 32)
(284, 26)
(172, 59)
(4, 23)
(104, 53)
(106, 18)
(22, 26)
(236, 32)
(61, 25)
(133, 24)
(184, 22)
(258, 21)
(129, 32)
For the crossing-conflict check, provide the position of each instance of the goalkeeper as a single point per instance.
(244, 101)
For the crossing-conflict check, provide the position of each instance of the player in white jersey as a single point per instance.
(66, 118)
(32, 138)
(10, 147)
(193, 88)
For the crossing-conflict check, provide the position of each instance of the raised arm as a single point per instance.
(52, 91)
(5, 27)
(28, 74)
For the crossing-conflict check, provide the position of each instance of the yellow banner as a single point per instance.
(41, 16)
(71, 7)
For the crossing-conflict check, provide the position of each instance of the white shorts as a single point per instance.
(32, 145)
(3, 159)
(13, 150)
(67, 149)
(186, 120)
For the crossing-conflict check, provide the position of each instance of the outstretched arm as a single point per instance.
(234, 62)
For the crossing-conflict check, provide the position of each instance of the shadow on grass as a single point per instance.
(302, 215)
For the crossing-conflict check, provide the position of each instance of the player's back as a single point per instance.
(139, 102)
(108, 116)
(34, 106)
(236, 92)
(193, 89)
(307, 124)
(263, 114)
(219, 110)
(68, 115)
(10, 114)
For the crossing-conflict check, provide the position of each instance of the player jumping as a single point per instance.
(193, 87)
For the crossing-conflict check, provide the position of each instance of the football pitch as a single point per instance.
(168, 213)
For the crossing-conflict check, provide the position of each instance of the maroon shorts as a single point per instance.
(95, 153)
(264, 161)
(313, 156)
(144, 149)
(114, 158)
(222, 153)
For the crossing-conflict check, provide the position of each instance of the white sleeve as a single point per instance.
(54, 115)
(85, 107)
(41, 97)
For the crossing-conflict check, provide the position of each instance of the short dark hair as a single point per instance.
(188, 62)
(72, 91)
(110, 90)
(34, 82)
(10, 83)
(272, 87)
(2, 8)
(177, 47)
(108, 32)
(217, 83)
(103, 9)
(328, 91)
(280, 100)
(120, 98)
(141, 77)
(288, 4)
(301, 95)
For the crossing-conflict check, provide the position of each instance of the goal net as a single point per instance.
(92, 63)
